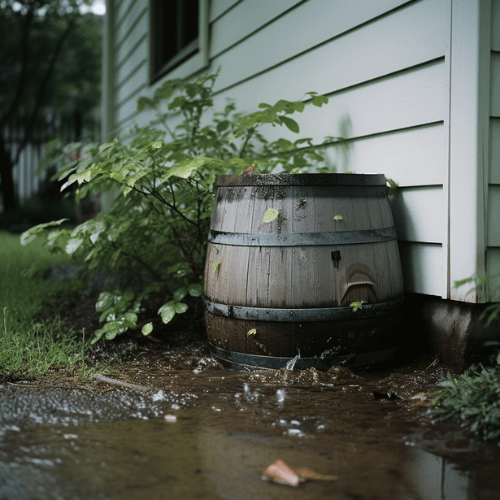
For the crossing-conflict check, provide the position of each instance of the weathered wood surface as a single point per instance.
(292, 277)
(302, 276)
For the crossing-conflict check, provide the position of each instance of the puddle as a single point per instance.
(209, 434)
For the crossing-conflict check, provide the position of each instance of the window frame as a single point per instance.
(192, 59)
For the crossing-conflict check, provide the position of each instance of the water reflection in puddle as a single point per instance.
(217, 440)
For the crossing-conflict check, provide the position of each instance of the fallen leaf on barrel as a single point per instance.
(281, 473)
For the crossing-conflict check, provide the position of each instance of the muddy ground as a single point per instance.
(164, 418)
(179, 351)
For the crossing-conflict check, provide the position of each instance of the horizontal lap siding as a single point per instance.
(130, 57)
(409, 98)
(352, 52)
(243, 20)
(414, 156)
(386, 78)
(220, 7)
(493, 252)
(383, 66)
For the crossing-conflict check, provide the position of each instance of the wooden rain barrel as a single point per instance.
(274, 290)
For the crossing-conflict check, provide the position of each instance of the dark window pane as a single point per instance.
(175, 33)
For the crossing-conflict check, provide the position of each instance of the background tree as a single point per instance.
(50, 56)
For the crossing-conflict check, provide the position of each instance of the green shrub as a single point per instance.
(473, 398)
(164, 181)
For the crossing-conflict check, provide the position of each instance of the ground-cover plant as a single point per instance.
(164, 181)
(30, 346)
(473, 398)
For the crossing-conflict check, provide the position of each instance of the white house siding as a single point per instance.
(493, 221)
(130, 42)
(385, 66)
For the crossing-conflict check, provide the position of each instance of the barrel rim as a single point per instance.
(285, 179)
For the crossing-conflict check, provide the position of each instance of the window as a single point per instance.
(178, 29)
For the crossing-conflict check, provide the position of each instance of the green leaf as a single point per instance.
(129, 320)
(270, 215)
(113, 329)
(29, 235)
(319, 100)
(106, 146)
(180, 293)
(144, 102)
(195, 290)
(253, 331)
(167, 311)
(392, 186)
(73, 245)
(356, 305)
(221, 126)
(104, 301)
(98, 335)
(180, 307)
(216, 265)
(290, 124)
(459, 283)
(147, 328)
(187, 169)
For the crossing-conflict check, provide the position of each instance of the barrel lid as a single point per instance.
(285, 179)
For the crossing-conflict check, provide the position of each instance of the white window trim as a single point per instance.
(193, 64)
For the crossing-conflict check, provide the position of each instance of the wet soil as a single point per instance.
(186, 427)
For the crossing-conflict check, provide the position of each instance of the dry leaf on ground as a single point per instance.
(281, 473)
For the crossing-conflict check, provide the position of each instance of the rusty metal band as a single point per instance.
(303, 239)
(241, 361)
(303, 315)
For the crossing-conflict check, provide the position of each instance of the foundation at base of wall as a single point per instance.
(452, 329)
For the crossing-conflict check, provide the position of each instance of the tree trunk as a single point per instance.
(6, 180)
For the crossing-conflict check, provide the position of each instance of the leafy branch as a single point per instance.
(165, 181)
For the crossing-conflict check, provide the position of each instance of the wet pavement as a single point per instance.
(202, 431)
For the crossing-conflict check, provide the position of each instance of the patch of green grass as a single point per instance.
(30, 346)
(473, 398)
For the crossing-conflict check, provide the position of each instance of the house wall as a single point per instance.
(386, 68)
(493, 223)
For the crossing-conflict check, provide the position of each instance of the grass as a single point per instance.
(473, 399)
(30, 346)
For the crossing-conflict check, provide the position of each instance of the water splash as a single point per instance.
(249, 394)
(291, 364)
(280, 396)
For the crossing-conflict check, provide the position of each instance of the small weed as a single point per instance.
(356, 305)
